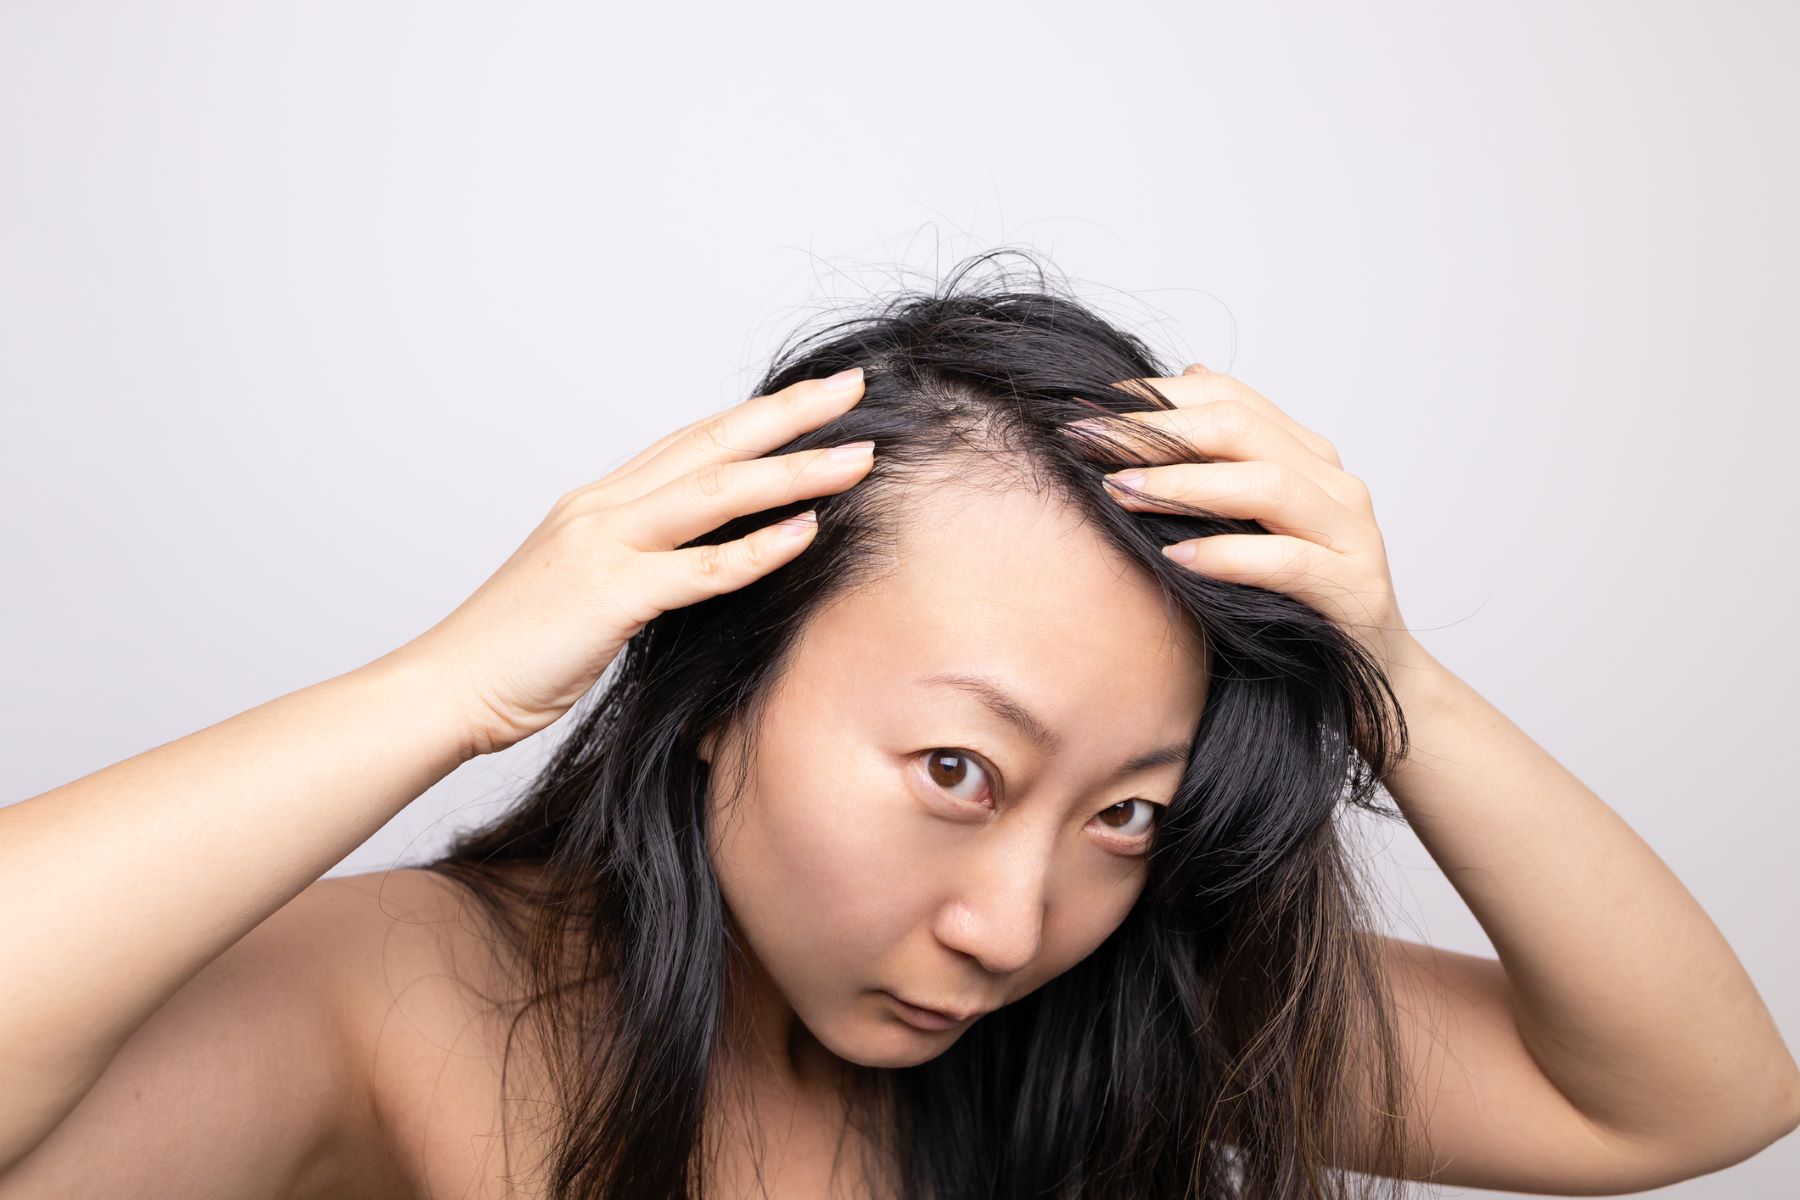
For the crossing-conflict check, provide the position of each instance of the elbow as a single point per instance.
(1720, 1140)
(1784, 1110)
(1790, 1113)
(1770, 1121)
(1767, 1109)
(1775, 1119)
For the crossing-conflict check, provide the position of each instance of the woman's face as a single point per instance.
(899, 835)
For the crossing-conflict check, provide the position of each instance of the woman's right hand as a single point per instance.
(533, 639)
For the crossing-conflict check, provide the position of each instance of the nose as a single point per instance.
(996, 912)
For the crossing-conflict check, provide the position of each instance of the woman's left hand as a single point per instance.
(1323, 546)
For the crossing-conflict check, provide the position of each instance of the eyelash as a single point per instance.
(967, 756)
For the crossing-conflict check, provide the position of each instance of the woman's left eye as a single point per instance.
(1121, 819)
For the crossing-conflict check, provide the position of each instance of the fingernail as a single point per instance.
(1181, 552)
(1081, 427)
(843, 381)
(800, 524)
(1130, 479)
(851, 450)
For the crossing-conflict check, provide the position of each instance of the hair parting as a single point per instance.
(1231, 1038)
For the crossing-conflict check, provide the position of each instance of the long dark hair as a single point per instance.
(1232, 1038)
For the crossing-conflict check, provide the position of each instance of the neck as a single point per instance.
(765, 1040)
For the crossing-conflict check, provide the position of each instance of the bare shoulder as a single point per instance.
(247, 1081)
(429, 995)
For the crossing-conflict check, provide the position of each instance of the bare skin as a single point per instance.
(152, 887)
(189, 1010)
(899, 834)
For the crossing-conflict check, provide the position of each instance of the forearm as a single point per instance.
(120, 886)
(1624, 991)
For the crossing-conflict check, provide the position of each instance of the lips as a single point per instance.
(947, 1014)
(936, 1017)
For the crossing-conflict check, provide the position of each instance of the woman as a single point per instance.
(975, 833)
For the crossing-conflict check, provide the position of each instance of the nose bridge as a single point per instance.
(1001, 896)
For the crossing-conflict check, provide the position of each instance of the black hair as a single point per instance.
(1232, 1037)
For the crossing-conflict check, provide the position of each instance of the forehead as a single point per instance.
(998, 579)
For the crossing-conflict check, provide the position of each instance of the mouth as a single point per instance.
(932, 1019)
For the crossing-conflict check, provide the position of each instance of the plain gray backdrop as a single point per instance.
(309, 312)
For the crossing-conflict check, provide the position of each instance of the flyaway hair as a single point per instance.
(1232, 1038)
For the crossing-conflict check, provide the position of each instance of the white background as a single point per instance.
(308, 313)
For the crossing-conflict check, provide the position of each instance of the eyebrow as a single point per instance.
(1047, 739)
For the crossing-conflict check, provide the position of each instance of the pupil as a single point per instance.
(937, 761)
(1118, 811)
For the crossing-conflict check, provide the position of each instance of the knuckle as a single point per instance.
(709, 483)
(755, 552)
(1281, 482)
(1233, 421)
(1329, 452)
(796, 463)
(588, 524)
(1358, 489)
(711, 432)
(712, 561)
(568, 499)
(580, 499)
(572, 535)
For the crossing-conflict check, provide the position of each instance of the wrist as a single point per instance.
(1419, 680)
(416, 683)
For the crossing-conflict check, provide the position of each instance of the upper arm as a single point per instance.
(1483, 1113)
(241, 1084)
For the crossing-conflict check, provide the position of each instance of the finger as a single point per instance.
(1194, 369)
(1277, 498)
(743, 431)
(1193, 388)
(704, 499)
(1286, 564)
(696, 573)
(1226, 429)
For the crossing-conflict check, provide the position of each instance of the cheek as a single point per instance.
(824, 874)
(1083, 918)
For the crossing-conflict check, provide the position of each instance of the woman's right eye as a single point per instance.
(962, 775)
